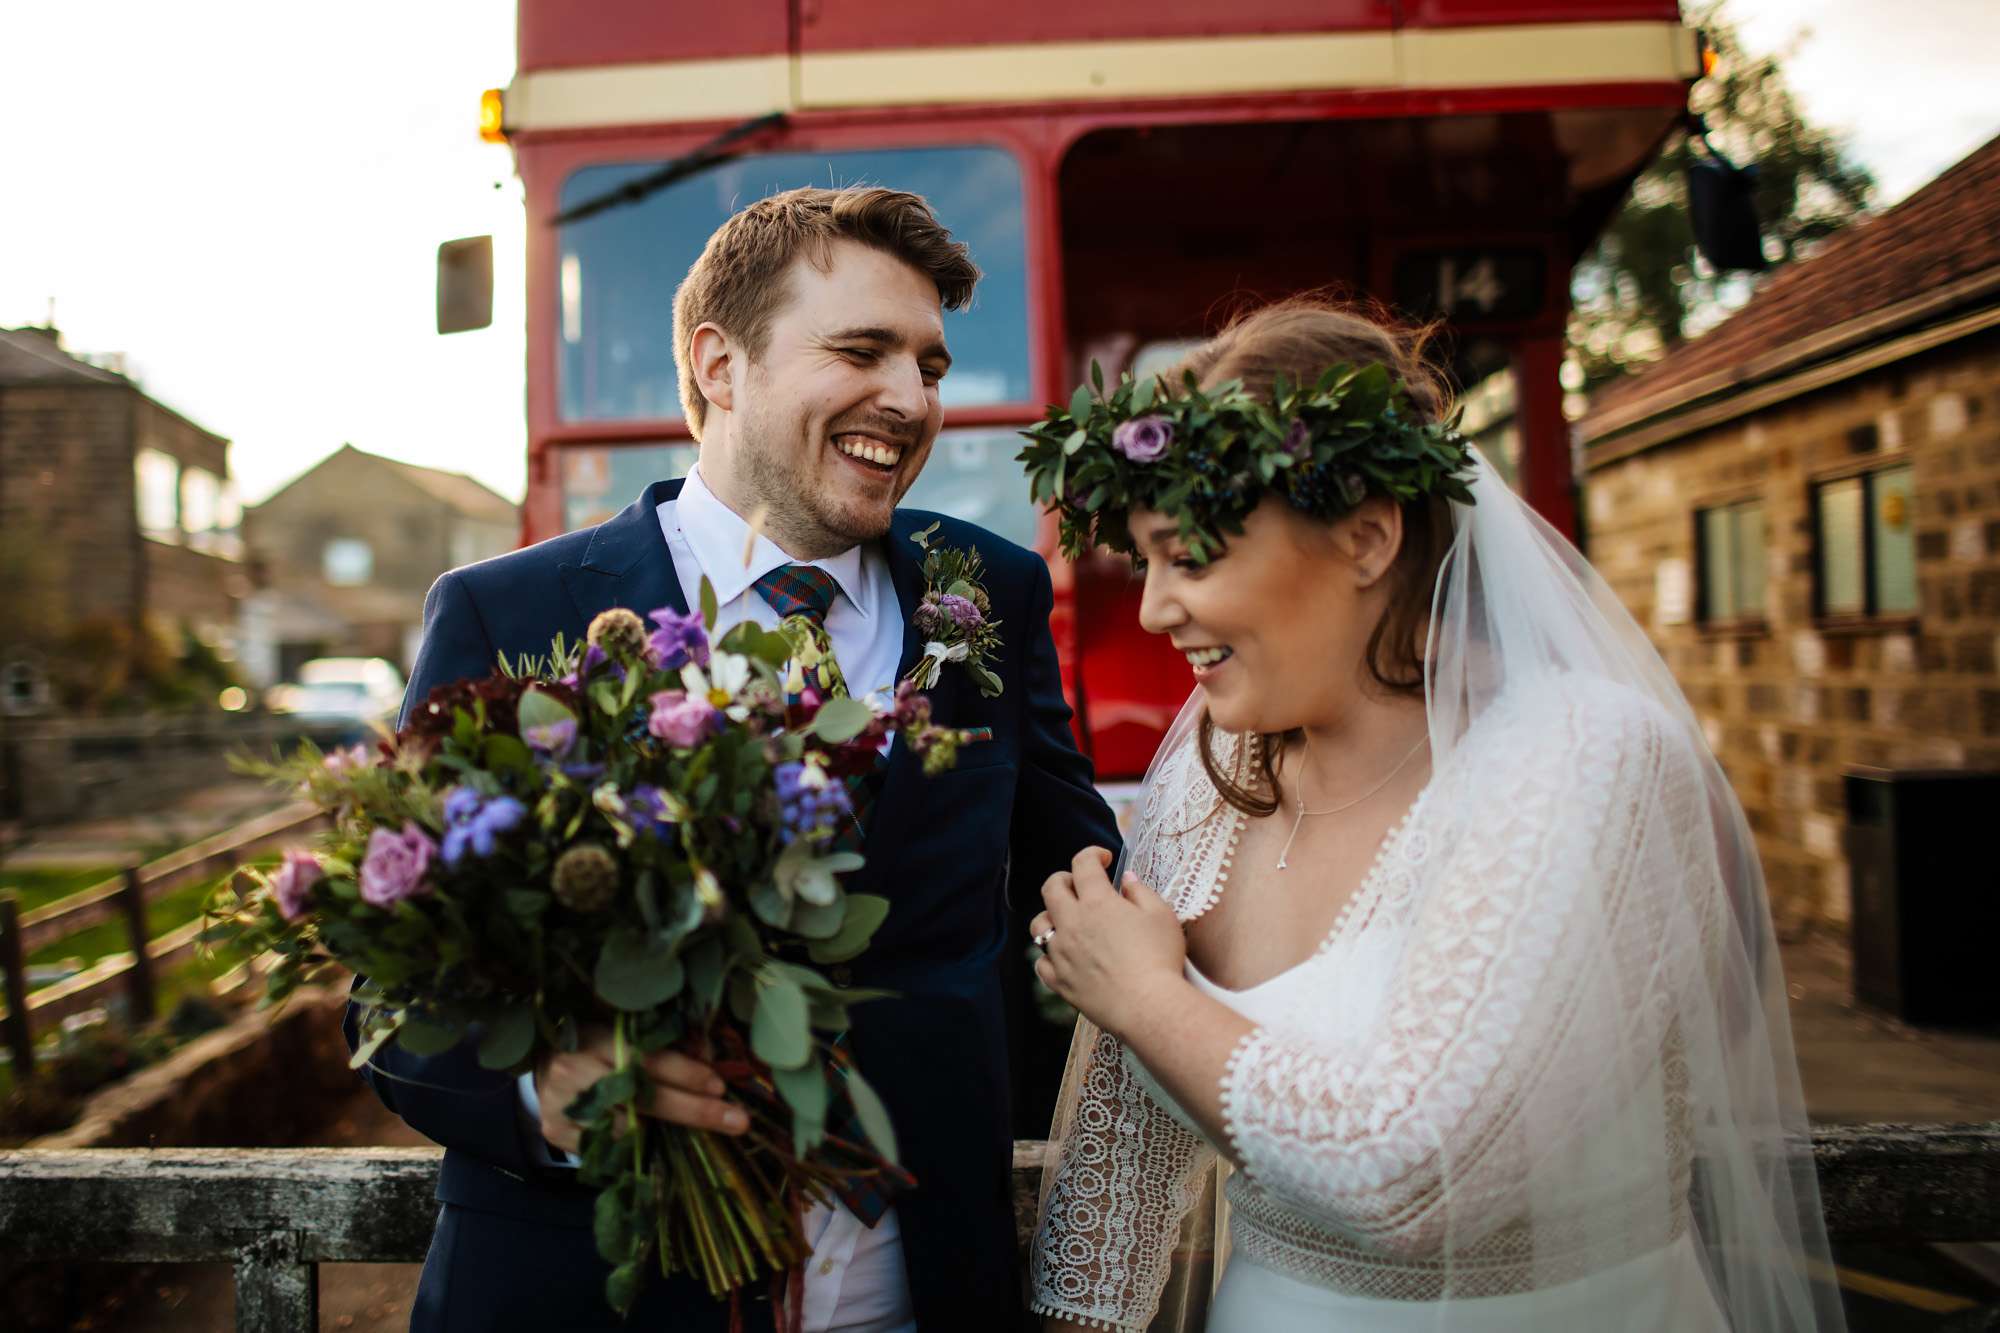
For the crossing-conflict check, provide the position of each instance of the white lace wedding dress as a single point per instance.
(1433, 1121)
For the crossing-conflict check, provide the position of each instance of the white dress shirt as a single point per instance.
(854, 1282)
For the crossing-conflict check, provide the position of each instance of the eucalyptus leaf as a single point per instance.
(428, 1036)
(805, 1092)
(538, 708)
(508, 1038)
(705, 967)
(709, 609)
(636, 971)
(874, 1116)
(772, 905)
(815, 922)
(841, 720)
(865, 913)
(780, 1033)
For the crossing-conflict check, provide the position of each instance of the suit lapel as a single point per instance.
(902, 785)
(627, 562)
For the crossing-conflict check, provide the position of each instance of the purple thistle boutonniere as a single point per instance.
(955, 617)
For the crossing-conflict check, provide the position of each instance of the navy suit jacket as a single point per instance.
(961, 858)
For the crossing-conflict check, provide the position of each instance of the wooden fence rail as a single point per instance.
(277, 1214)
(29, 1013)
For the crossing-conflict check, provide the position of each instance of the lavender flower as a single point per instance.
(291, 883)
(680, 639)
(682, 721)
(808, 801)
(962, 612)
(646, 806)
(395, 865)
(474, 821)
(1143, 439)
(593, 658)
(1298, 440)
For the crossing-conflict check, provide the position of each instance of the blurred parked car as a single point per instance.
(336, 690)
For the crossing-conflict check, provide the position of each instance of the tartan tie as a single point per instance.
(802, 595)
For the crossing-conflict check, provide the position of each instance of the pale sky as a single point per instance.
(246, 198)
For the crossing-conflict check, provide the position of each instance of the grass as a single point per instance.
(164, 914)
(39, 888)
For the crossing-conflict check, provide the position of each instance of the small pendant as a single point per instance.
(1281, 863)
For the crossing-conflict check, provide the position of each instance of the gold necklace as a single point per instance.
(1422, 741)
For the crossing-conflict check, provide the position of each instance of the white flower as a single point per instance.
(728, 675)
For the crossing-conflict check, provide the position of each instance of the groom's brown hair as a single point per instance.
(739, 283)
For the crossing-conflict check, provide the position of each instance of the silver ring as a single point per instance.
(1041, 941)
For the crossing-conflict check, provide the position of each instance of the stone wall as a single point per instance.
(66, 479)
(1791, 703)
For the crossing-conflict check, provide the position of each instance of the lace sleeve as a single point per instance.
(1497, 1032)
(1129, 1174)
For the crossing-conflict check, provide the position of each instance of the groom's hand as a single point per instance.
(680, 1090)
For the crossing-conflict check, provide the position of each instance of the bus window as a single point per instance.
(600, 480)
(972, 475)
(618, 270)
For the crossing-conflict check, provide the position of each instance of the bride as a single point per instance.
(1440, 932)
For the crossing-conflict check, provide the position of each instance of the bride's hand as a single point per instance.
(1113, 949)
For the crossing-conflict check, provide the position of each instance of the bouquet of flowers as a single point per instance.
(636, 833)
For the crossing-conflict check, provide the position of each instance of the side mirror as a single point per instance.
(465, 284)
(1722, 210)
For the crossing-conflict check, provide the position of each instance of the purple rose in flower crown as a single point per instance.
(679, 640)
(1298, 441)
(292, 881)
(1143, 439)
(395, 865)
(682, 721)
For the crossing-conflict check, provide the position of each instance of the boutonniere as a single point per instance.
(954, 616)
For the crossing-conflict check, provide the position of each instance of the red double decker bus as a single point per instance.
(1120, 170)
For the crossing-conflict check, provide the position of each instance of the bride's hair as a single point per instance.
(1299, 337)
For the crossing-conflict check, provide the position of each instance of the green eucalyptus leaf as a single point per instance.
(874, 1116)
(780, 1033)
(706, 964)
(709, 609)
(771, 903)
(805, 1092)
(538, 708)
(428, 1036)
(865, 913)
(508, 1038)
(841, 720)
(813, 921)
(636, 971)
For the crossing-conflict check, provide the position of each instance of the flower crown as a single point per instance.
(1208, 457)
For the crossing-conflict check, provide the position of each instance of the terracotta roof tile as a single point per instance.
(1945, 232)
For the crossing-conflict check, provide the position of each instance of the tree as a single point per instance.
(1644, 289)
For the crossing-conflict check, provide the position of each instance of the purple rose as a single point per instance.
(395, 865)
(1143, 439)
(292, 881)
(1298, 441)
(963, 613)
(681, 721)
(680, 639)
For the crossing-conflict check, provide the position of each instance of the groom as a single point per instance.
(810, 343)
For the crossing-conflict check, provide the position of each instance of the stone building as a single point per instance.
(347, 551)
(114, 510)
(1803, 509)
